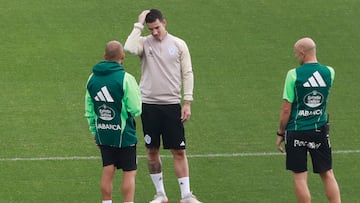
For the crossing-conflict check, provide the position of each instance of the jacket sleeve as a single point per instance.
(132, 96)
(187, 72)
(134, 44)
(90, 113)
(332, 73)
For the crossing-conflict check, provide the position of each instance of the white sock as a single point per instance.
(107, 201)
(158, 182)
(184, 186)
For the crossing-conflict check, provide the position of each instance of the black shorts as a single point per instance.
(163, 122)
(316, 142)
(124, 158)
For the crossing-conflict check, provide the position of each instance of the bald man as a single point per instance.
(112, 101)
(304, 123)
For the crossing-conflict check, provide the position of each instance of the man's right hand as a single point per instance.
(142, 16)
(279, 141)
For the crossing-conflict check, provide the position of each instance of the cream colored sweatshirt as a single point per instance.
(165, 67)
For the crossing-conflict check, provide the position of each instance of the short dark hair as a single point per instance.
(153, 15)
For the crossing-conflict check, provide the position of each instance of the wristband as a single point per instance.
(280, 134)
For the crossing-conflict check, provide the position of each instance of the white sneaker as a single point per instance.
(190, 199)
(160, 198)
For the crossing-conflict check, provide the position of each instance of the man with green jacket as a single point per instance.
(304, 123)
(112, 101)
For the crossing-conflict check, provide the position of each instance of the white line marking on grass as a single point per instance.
(51, 158)
(167, 156)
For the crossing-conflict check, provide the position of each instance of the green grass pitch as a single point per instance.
(241, 51)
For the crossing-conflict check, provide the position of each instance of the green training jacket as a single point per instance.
(112, 101)
(307, 88)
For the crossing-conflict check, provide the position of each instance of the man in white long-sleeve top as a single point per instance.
(166, 72)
